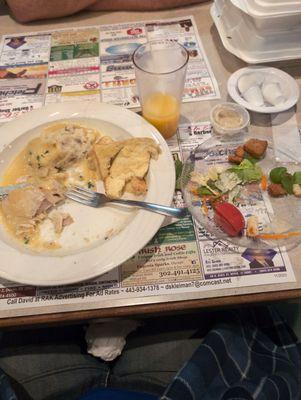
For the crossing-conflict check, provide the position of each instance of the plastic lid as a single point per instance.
(268, 8)
(236, 32)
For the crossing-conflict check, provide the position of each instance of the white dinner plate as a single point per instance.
(288, 85)
(99, 239)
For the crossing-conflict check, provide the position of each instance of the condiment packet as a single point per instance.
(286, 136)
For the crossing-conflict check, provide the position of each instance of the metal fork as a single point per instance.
(94, 199)
(4, 190)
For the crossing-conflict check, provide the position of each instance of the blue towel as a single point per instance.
(250, 354)
(6, 391)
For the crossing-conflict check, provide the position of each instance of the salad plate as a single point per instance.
(237, 202)
(98, 240)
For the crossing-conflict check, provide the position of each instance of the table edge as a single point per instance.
(87, 316)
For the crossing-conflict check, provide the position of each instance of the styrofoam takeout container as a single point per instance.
(265, 8)
(271, 16)
(240, 36)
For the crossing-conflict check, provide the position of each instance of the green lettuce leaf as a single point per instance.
(247, 171)
(178, 168)
(204, 191)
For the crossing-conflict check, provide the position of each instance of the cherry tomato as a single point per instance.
(229, 218)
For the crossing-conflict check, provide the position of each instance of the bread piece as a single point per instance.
(276, 190)
(233, 159)
(149, 144)
(252, 226)
(131, 162)
(104, 152)
(256, 147)
(136, 186)
(114, 187)
(105, 140)
(239, 152)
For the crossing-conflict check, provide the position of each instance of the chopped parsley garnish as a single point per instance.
(26, 240)
(46, 152)
(90, 185)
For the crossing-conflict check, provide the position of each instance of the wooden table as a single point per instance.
(223, 64)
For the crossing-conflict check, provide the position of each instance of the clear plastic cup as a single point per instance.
(160, 68)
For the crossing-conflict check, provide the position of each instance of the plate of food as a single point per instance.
(47, 239)
(263, 89)
(238, 192)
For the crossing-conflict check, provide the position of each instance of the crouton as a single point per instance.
(297, 190)
(239, 152)
(256, 147)
(235, 159)
(136, 186)
(252, 226)
(276, 190)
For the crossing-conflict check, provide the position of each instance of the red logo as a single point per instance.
(134, 31)
(91, 85)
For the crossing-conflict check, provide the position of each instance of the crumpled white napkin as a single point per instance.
(107, 340)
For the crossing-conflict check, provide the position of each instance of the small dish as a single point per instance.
(287, 83)
(229, 118)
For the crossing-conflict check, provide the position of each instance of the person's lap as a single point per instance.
(52, 363)
(156, 352)
(48, 362)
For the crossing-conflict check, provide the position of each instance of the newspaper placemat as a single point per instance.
(181, 258)
(92, 63)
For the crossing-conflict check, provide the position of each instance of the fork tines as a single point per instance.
(83, 195)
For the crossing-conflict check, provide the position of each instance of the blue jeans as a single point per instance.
(52, 363)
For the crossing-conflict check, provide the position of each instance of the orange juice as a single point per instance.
(163, 111)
